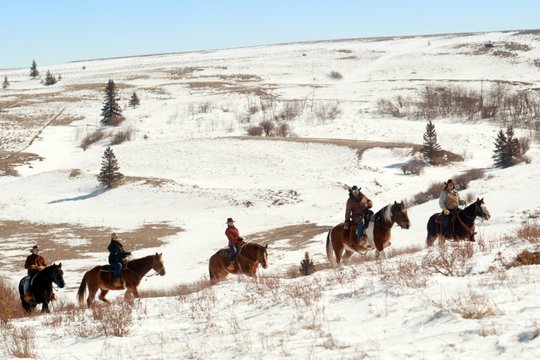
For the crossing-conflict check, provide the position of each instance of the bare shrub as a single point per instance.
(404, 272)
(283, 130)
(462, 181)
(9, 302)
(526, 258)
(303, 294)
(537, 62)
(205, 107)
(179, 291)
(336, 75)
(451, 260)
(267, 127)
(394, 108)
(74, 173)
(115, 319)
(488, 331)
(116, 120)
(327, 111)
(121, 136)
(255, 131)
(471, 306)
(529, 231)
(306, 265)
(19, 341)
(415, 167)
(291, 110)
(91, 139)
(433, 192)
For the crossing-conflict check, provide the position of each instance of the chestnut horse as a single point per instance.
(377, 233)
(41, 287)
(132, 275)
(248, 259)
(461, 225)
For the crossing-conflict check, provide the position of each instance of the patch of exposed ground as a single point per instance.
(155, 182)
(11, 159)
(69, 241)
(298, 235)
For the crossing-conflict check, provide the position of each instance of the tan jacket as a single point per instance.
(33, 262)
(356, 206)
(449, 199)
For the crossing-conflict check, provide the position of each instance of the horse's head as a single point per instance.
(57, 275)
(481, 209)
(400, 216)
(157, 264)
(262, 255)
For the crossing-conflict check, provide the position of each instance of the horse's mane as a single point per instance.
(258, 246)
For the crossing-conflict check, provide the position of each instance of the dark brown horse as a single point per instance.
(41, 287)
(377, 233)
(132, 274)
(461, 225)
(248, 259)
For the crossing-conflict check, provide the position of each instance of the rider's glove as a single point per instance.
(446, 211)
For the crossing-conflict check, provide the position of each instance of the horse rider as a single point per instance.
(235, 240)
(34, 264)
(449, 203)
(117, 256)
(357, 204)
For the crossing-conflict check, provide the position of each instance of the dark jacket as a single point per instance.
(356, 207)
(32, 261)
(116, 252)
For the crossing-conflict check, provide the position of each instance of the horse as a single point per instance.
(461, 225)
(249, 256)
(41, 287)
(377, 233)
(100, 277)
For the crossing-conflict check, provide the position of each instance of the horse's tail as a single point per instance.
(82, 289)
(210, 271)
(431, 231)
(329, 248)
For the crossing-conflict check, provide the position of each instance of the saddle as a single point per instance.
(110, 268)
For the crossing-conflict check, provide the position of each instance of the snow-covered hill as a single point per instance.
(187, 171)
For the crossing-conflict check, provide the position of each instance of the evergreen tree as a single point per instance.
(499, 154)
(50, 79)
(33, 70)
(306, 265)
(111, 114)
(430, 146)
(134, 101)
(109, 175)
(5, 84)
(507, 150)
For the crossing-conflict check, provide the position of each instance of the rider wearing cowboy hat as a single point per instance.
(235, 239)
(356, 206)
(34, 264)
(449, 202)
(117, 255)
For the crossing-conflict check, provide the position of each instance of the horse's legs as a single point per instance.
(102, 295)
(45, 307)
(347, 256)
(135, 292)
(338, 250)
(91, 295)
(430, 239)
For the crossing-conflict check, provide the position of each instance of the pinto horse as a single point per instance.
(377, 233)
(132, 274)
(460, 227)
(41, 287)
(248, 259)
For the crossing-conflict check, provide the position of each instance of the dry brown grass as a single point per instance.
(471, 305)
(530, 231)
(54, 239)
(96, 86)
(92, 138)
(154, 182)
(526, 258)
(11, 159)
(178, 291)
(19, 342)
(298, 235)
(452, 260)
(182, 73)
(10, 305)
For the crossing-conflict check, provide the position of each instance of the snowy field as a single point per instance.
(192, 105)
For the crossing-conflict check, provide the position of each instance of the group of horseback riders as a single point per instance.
(357, 213)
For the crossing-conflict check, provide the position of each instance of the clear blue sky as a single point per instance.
(57, 31)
